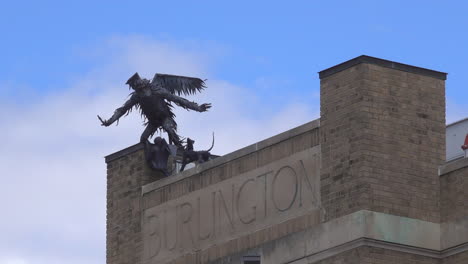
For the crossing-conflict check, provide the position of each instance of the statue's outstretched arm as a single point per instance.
(182, 102)
(119, 112)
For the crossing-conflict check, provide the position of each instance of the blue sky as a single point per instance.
(63, 62)
(47, 43)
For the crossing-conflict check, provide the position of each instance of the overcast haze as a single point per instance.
(63, 63)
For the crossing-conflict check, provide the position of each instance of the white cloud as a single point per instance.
(53, 171)
(12, 260)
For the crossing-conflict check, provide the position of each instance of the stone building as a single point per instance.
(368, 182)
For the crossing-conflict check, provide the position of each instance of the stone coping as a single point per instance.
(232, 156)
(453, 165)
(123, 152)
(384, 63)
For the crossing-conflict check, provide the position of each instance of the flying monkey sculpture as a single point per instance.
(154, 98)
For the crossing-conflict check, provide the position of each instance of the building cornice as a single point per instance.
(383, 63)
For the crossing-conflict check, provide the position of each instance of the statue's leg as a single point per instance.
(170, 127)
(149, 131)
(183, 165)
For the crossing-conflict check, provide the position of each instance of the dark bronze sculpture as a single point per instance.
(154, 98)
(158, 153)
(190, 155)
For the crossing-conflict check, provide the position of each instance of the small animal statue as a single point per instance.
(190, 155)
(157, 155)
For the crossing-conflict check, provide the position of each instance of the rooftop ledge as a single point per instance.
(384, 63)
(453, 166)
(229, 157)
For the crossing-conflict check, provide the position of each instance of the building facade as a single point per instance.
(368, 182)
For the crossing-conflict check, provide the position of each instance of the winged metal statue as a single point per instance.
(154, 98)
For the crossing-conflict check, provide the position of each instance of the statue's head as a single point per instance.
(160, 141)
(190, 143)
(135, 82)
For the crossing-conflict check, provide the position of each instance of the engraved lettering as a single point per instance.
(167, 228)
(305, 178)
(213, 211)
(254, 207)
(186, 221)
(285, 172)
(200, 236)
(222, 202)
(265, 187)
(154, 241)
(229, 209)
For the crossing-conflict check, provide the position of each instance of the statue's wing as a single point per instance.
(179, 84)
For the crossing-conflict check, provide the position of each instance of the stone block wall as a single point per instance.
(246, 160)
(460, 258)
(126, 173)
(214, 201)
(454, 205)
(382, 138)
(134, 190)
(454, 191)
